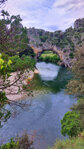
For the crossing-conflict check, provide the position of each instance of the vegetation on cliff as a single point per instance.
(67, 41)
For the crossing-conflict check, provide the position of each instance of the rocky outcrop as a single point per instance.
(79, 23)
(65, 42)
(64, 61)
(15, 89)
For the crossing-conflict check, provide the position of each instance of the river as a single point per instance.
(42, 118)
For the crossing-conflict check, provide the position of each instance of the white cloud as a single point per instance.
(47, 14)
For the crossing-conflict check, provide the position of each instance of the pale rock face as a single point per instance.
(13, 92)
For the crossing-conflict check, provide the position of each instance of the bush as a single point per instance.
(22, 63)
(28, 52)
(72, 48)
(48, 56)
(73, 143)
(19, 143)
(11, 145)
(43, 38)
(80, 107)
(71, 55)
(70, 124)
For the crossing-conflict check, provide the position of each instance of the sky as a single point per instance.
(47, 14)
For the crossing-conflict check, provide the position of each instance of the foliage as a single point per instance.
(8, 65)
(73, 143)
(49, 57)
(20, 64)
(76, 86)
(70, 124)
(4, 113)
(13, 36)
(29, 52)
(43, 38)
(13, 39)
(19, 143)
(11, 145)
(80, 108)
(5, 67)
(71, 55)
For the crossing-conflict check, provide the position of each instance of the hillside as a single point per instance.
(34, 42)
(68, 39)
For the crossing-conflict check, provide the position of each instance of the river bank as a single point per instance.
(15, 91)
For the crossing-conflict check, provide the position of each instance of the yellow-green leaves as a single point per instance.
(5, 67)
(9, 62)
(1, 62)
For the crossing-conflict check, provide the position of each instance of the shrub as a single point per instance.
(43, 38)
(48, 56)
(20, 143)
(22, 63)
(70, 124)
(71, 55)
(72, 143)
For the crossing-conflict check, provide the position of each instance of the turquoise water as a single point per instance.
(42, 118)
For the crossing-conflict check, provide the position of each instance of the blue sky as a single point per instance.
(47, 14)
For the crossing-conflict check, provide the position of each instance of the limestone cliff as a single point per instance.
(65, 42)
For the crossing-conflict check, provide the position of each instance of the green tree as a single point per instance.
(22, 142)
(71, 55)
(70, 124)
(4, 74)
(13, 36)
(76, 85)
(13, 39)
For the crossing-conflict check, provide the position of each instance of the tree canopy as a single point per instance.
(13, 40)
(13, 36)
(76, 85)
(70, 124)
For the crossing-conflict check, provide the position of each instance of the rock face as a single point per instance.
(65, 42)
(64, 60)
(79, 23)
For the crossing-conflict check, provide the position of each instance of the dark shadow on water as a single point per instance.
(55, 85)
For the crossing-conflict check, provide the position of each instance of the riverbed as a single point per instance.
(42, 118)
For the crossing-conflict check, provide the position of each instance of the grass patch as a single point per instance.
(49, 56)
(74, 143)
(48, 53)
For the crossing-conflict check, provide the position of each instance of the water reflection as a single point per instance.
(47, 71)
(44, 116)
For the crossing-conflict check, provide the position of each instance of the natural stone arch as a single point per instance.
(39, 50)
